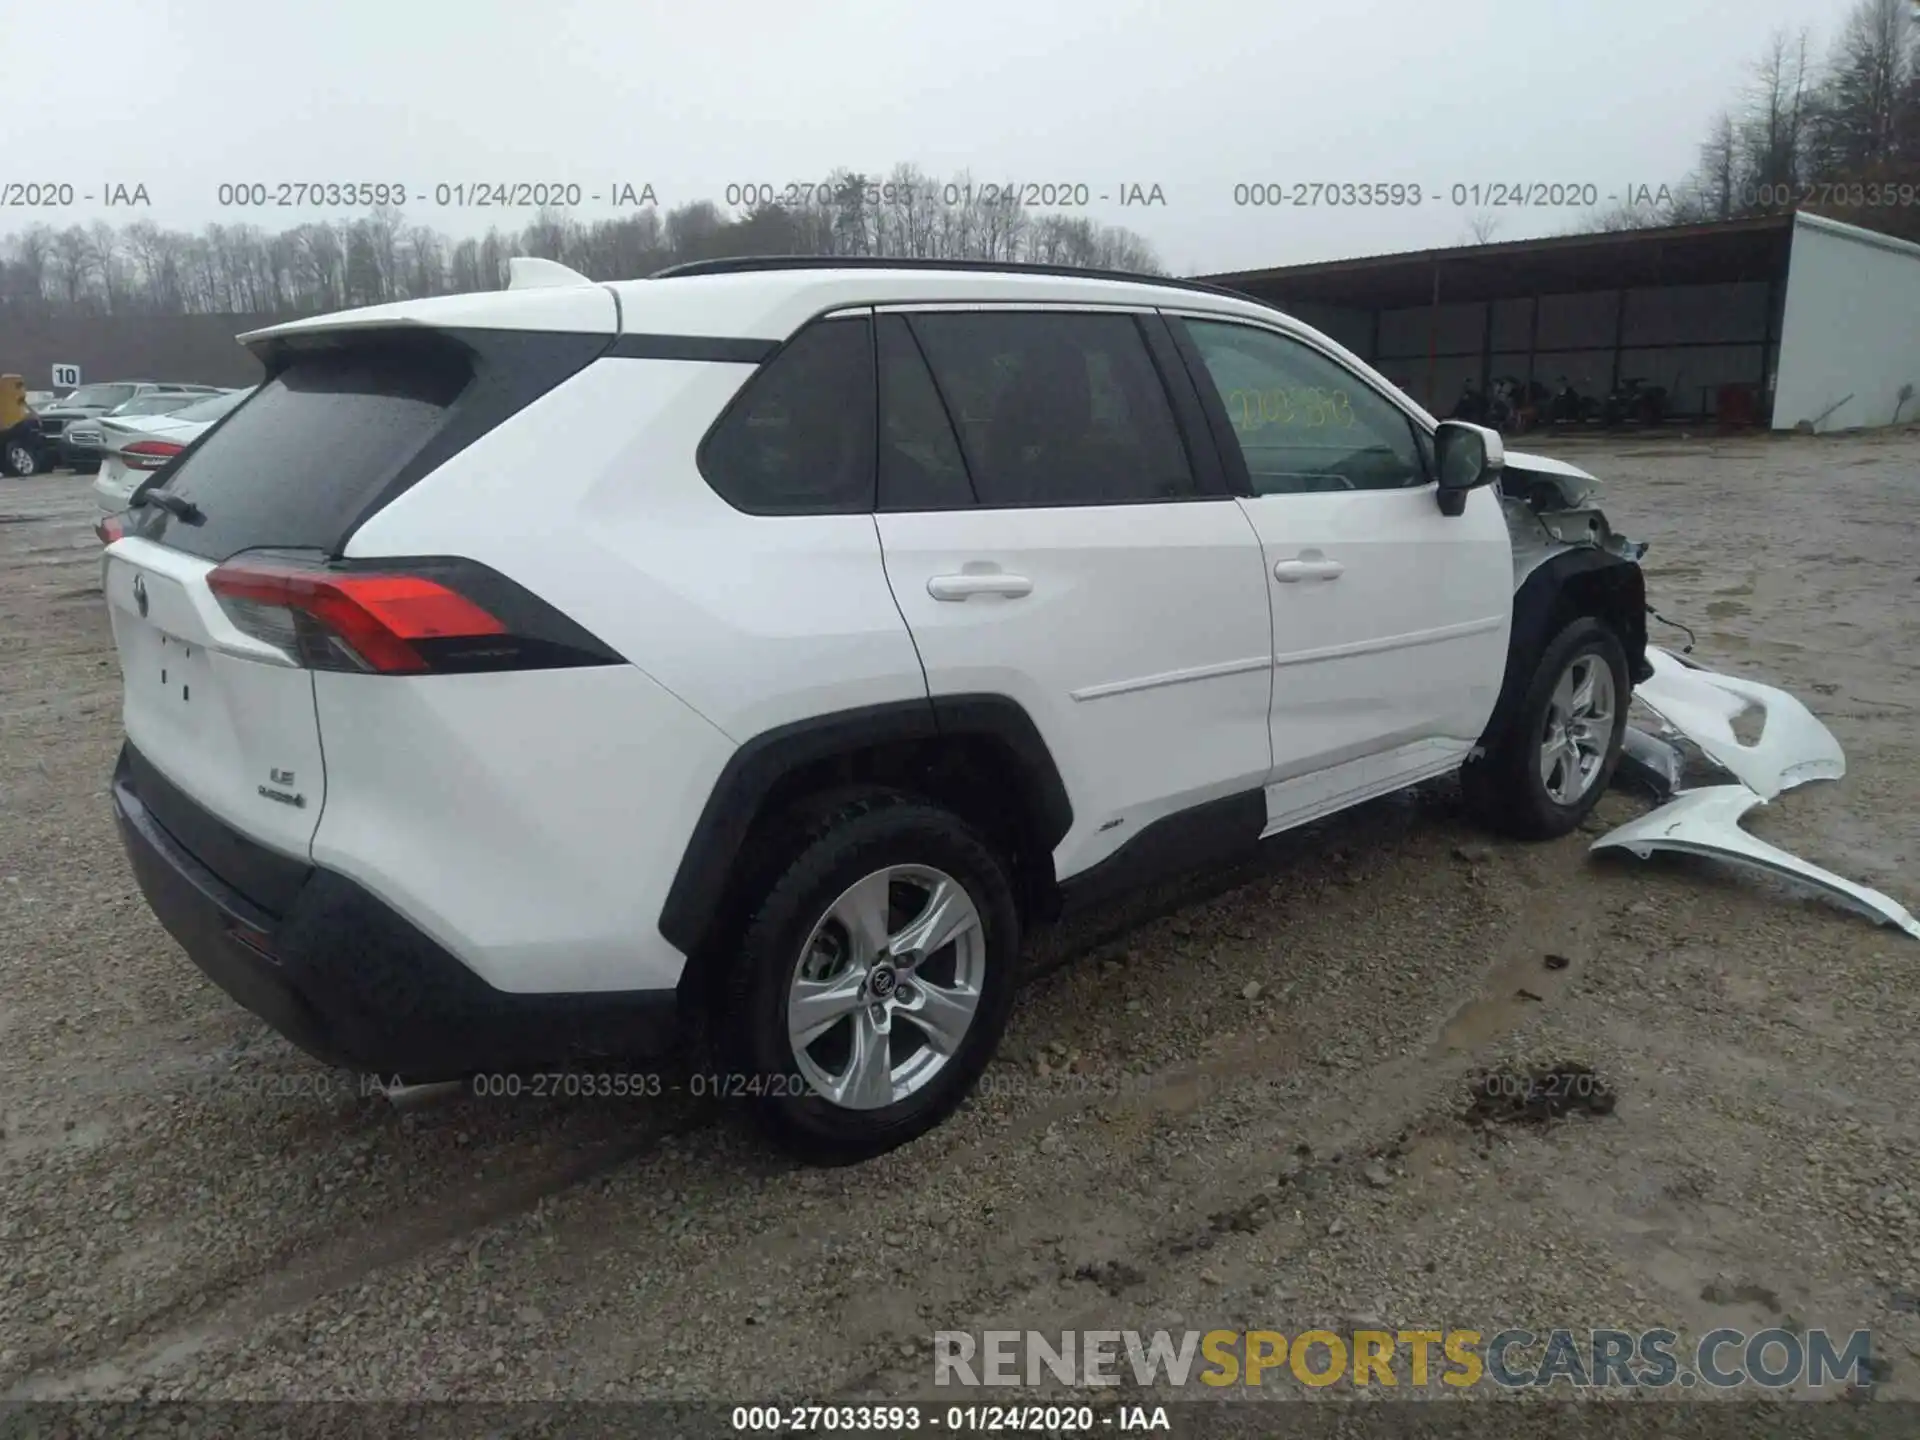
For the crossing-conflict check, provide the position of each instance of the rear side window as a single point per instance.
(1057, 408)
(799, 438)
(297, 464)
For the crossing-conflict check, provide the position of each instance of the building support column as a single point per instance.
(1433, 343)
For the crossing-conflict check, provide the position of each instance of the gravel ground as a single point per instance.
(1238, 1104)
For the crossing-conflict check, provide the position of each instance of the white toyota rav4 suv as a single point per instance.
(517, 679)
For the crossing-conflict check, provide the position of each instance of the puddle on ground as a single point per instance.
(1511, 1096)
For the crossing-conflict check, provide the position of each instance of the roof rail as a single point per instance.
(740, 264)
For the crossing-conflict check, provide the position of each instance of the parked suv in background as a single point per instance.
(81, 450)
(518, 678)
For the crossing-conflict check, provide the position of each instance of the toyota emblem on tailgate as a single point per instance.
(140, 593)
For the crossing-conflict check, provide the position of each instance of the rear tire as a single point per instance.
(17, 458)
(1560, 752)
(898, 1038)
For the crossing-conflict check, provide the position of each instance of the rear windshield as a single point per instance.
(313, 446)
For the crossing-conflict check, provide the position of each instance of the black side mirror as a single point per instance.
(1467, 457)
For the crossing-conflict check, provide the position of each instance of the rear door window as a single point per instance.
(1057, 408)
(296, 466)
(920, 463)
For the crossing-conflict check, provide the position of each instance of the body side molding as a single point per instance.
(1210, 833)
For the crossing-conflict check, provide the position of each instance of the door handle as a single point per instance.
(965, 586)
(1289, 572)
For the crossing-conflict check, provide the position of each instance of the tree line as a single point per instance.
(1835, 132)
(142, 268)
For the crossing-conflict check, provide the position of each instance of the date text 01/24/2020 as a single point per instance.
(1394, 194)
(632, 1085)
(843, 194)
(896, 1419)
(476, 195)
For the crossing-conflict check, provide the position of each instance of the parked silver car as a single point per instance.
(74, 443)
(135, 446)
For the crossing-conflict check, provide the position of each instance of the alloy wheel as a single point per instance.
(1578, 730)
(886, 987)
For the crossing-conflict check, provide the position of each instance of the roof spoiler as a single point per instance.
(528, 272)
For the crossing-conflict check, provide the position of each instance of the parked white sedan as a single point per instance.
(134, 446)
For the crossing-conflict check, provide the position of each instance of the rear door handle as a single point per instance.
(1290, 572)
(965, 586)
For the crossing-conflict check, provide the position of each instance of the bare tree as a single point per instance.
(1780, 107)
(1715, 189)
(1481, 227)
(1870, 78)
(378, 256)
(72, 263)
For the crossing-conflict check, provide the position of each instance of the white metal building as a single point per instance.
(1792, 319)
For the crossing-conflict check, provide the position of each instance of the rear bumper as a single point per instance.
(348, 979)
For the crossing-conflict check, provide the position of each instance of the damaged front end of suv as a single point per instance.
(1561, 536)
(1567, 558)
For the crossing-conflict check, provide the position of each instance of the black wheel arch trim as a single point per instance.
(752, 772)
(1548, 599)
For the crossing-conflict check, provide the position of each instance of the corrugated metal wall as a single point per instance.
(1692, 339)
(1850, 335)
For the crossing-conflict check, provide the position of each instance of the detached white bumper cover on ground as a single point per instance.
(1793, 748)
(1707, 822)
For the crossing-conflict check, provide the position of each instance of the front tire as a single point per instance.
(872, 985)
(1559, 754)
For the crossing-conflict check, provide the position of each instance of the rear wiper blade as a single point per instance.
(173, 504)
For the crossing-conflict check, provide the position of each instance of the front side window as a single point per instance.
(1056, 408)
(799, 438)
(1303, 422)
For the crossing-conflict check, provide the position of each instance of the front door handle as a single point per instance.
(1289, 572)
(969, 584)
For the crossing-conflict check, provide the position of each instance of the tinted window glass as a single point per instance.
(799, 438)
(1303, 422)
(920, 464)
(296, 466)
(1057, 409)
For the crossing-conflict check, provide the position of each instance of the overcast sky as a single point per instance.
(1194, 96)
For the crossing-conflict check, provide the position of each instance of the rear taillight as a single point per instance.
(110, 529)
(400, 618)
(149, 454)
